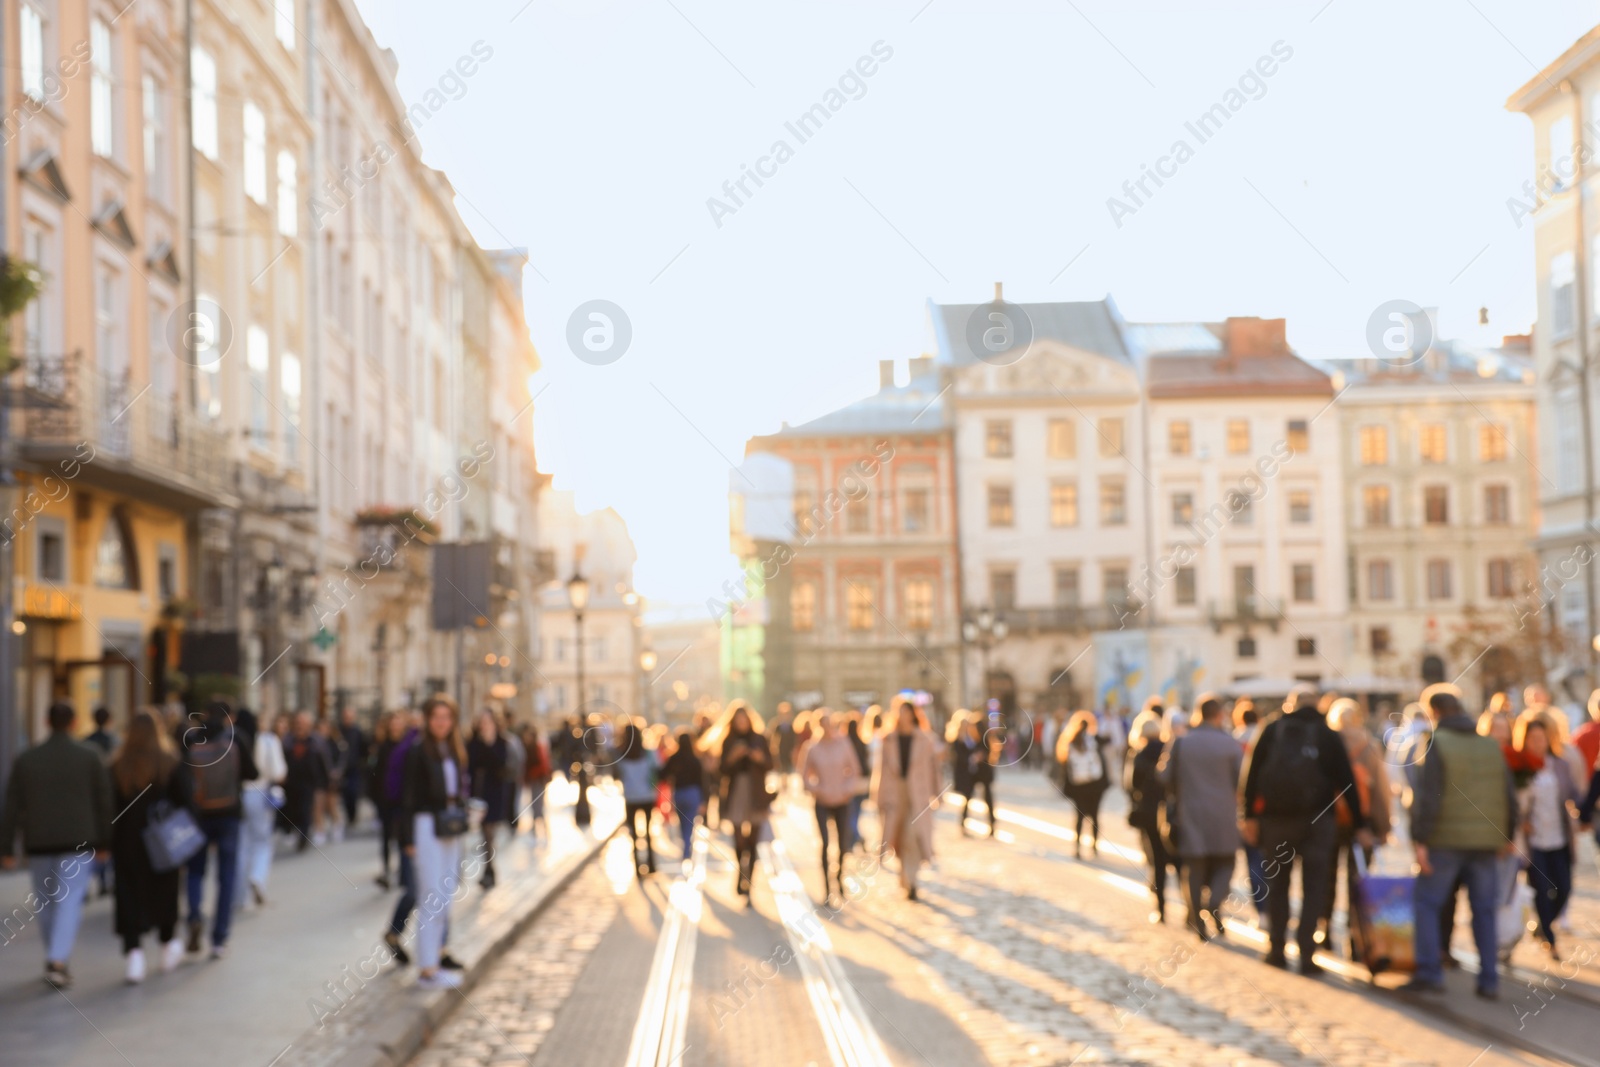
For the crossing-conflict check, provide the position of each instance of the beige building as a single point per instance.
(687, 674)
(1442, 500)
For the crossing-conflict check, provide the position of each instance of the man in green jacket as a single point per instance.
(59, 799)
(1462, 813)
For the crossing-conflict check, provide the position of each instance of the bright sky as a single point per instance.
(1374, 163)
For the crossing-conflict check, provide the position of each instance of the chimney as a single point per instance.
(999, 292)
(921, 367)
(885, 374)
(1244, 337)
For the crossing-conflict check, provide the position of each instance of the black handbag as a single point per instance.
(451, 822)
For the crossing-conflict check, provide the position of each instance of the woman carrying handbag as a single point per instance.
(148, 782)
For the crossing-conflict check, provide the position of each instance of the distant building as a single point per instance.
(688, 670)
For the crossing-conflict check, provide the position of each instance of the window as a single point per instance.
(1497, 504)
(1380, 579)
(1183, 587)
(1439, 580)
(859, 605)
(1304, 582)
(1063, 439)
(1245, 648)
(255, 153)
(288, 197)
(1492, 443)
(31, 44)
(1116, 585)
(916, 510)
(919, 604)
(803, 502)
(1003, 589)
(283, 22)
(114, 561)
(1063, 503)
(858, 515)
(1563, 275)
(1113, 502)
(102, 117)
(1378, 640)
(1244, 589)
(1436, 505)
(1502, 578)
(997, 438)
(51, 564)
(1182, 509)
(208, 383)
(258, 362)
(1305, 646)
(1238, 436)
(203, 105)
(1068, 594)
(1560, 161)
(1299, 506)
(1569, 441)
(1000, 505)
(1180, 440)
(803, 606)
(1374, 446)
(155, 137)
(1110, 431)
(1298, 434)
(289, 389)
(112, 355)
(598, 652)
(1375, 505)
(1242, 507)
(1432, 443)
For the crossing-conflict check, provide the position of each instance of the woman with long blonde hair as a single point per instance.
(1081, 754)
(145, 771)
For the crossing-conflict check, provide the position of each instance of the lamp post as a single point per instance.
(578, 597)
(984, 629)
(647, 663)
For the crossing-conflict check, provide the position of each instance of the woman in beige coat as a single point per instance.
(905, 785)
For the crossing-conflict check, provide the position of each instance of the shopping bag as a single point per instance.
(172, 837)
(1511, 917)
(1383, 925)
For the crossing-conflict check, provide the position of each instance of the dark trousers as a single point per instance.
(1206, 886)
(988, 803)
(223, 832)
(1344, 850)
(1157, 859)
(1550, 878)
(408, 896)
(1258, 879)
(839, 816)
(351, 797)
(647, 808)
(1311, 841)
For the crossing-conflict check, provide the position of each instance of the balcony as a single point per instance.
(1075, 619)
(110, 433)
(1245, 611)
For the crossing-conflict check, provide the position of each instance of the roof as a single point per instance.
(910, 408)
(1450, 362)
(1150, 338)
(1214, 374)
(1091, 325)
(1581, 54)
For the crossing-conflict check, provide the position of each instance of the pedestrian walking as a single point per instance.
(1348, 719)
(973, 755)
(1463, 812)
(330, 825)
(906, 788)
(536, 775)
(1146, 795)
(305, 780)
(785, 739)
(1545, 805)
(636, 768)
(1296, 771)
(743, 760)
(58, 799)
(220, 762)
(103, 739)
(1082, 774)
(852, 730)
(487, 758)
(263, 797)
(1201, 770)
(685, 773)
(516, 768)
(353, 782)
(147, 777)
(385, 733)
(434, 793)
(831, 773)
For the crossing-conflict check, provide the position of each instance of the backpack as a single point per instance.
(1292, 782)
(1084, 766)
(217, 781)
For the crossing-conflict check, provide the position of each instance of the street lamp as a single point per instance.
(578, 597)
(984, 630)
(647, 663)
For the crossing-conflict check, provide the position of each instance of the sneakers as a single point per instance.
(171, 955)
(1418, 985)
(449, 962)
(57, 976)
(439, 980)
(197, 931)
(219, 952)
(135, 966)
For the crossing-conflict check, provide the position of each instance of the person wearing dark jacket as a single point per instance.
(220, 762)
(1463, 813)
(486, 769)
(434, 788)
(146, 772)
(308, 776)
(1145, 794)
(355, 765)
(1297, 769)
(686, 774)
(59, 800)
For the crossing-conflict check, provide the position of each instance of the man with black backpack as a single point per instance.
(220, 762)
(1297, 770)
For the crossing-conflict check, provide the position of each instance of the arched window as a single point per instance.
(116, 563)
(1432, 670)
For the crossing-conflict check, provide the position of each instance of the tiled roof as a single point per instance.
(1213, 374)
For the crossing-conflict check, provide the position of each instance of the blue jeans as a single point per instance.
(1479, 872)
(223, 832)
(686, 805)
(1256, 864)
(1550, 878)
(60, 881)
(255, 843)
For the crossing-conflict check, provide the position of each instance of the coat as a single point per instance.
(923, 786)
(57, 800)
(145, 899)
(1201, 769)
(1145, 791)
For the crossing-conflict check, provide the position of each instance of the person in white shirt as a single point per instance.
(262, 798)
